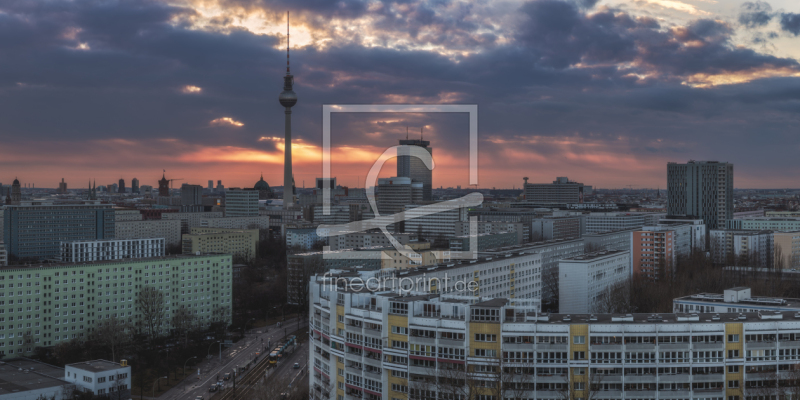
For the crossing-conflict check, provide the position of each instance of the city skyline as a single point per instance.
(603, 91)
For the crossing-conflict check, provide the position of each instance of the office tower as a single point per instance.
(134, 185)
(701, 189)
(37, 230)
(585, 280)
(191, 195)
(62, 187)
(241, 202)
(16, 192)
(220, 188)
(121, 186)
(288, 99)
(210, 307)
(111, 249)
(163, 186)
(414, 168)
(561, 191)
(396, 193)
(210, 185)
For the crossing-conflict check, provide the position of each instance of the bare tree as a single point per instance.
(615, 299)
(550, 287)
(150, 304)
(182, 322)
(112, 332)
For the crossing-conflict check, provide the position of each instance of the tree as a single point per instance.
(112, 332)
(182, 322)
(550, 287)
(615, 299)
(150, 304)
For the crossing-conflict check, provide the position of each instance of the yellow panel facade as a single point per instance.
(734, 342)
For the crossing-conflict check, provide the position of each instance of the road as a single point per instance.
(240, 353)
(247, 388)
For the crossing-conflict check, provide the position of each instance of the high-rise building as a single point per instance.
(191, 195)
(62, 187)
(701, 189)
(134, 185)
(220, 188)
(85, 312)
(37, 230)
(210, 185)
(121, 186)
(653, 254)
(396, 193)
(163, 186)
(16, 192)
(414, 168)
(787, 250)
(561, 191)
(241, 202)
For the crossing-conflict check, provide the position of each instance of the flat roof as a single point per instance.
(22, 374)
(96, 366)
(665, 318)
(109, 262)
(593, 256)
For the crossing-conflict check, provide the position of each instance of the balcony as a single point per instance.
(708, 377)
(640, 346)
(640, 378)
(551, 346)
(673, 346)
(766, 345)
(708, 346)
(516, 346)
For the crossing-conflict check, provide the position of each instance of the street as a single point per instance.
(237, 355)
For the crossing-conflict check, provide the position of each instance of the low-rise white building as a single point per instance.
(101, 377)
(584, 281)
(733, 300)
(111, 249)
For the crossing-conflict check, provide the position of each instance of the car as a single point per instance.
(296, 366)
(198, 398)
(227, 376)
(213, 388)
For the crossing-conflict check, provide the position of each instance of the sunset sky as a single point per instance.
(604, 92)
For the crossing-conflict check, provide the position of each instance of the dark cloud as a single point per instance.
(755, 14)
(790, 22)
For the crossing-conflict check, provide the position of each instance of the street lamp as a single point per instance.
(184, 372)
(154, 384)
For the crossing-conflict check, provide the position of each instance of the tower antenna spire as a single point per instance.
(287, 42)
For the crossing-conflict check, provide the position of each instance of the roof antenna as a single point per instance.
(287, 42)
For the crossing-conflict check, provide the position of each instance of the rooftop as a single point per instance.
(109, 262)
(594, 256)
(96, 366)
(22, 374)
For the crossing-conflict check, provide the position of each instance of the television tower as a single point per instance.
(287, 99)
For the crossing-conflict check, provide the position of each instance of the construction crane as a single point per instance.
(170, 181)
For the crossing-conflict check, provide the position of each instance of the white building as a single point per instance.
(609, 240)
(241, 202)
(303, 238)
(766, 223)
(696, 230)
(251, 222)
(584, 281)
(733, 300)
(366, 239)
(439, 224)
(111, 249)
(123, 214)
(101, 377)
(170, 230)
(487, 227)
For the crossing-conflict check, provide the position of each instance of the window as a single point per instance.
(485, 353)
(580, 385)
(579, 339)
(579, 371)
(579, 355)
(733, 353)
(400, 330)
(482, 337)
(733, 384)
(733, 338)
(732, 369)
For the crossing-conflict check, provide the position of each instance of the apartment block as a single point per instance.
(555, 228)
(483, 241)
(616, 221)
(488, 227)
(787, 250)
(749, 248)
(585, 281)
(113, 249)
(123, 214)
(302, 238)
(653, 254)
(367, 239)
(238, 242)
(61, 302)
(36, 229)
(382, 345)
(251, 222)
(440, 224)
(241, 202)
(170, 230)
(701, 189)
(191, 220)
(561, 191)
(766, 224)
(609, 240)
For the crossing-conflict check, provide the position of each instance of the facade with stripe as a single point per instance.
(382, 345)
